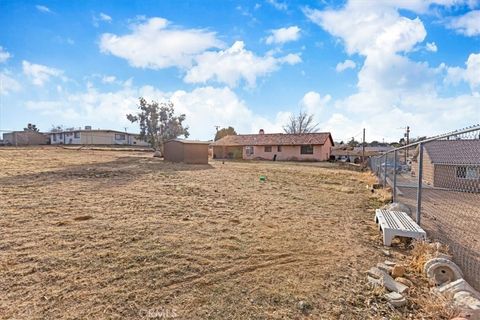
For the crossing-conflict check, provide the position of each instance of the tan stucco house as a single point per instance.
(95, 137)
(451, 164)
(275, 146)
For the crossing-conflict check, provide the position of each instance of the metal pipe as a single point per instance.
(394, 197)
(419, 186)
(385, 172)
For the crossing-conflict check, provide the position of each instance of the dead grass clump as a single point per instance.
(435, 306)
(423, 251)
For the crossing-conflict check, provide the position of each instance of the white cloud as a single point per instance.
(314, 103)
(205, 107)
(291, 58)
(426, 116)
(4, 55)
(156, 44)
(109, 79)
(468, 24)
(232, 65)
(282, 35)
(43, 9)
(39, 74)
(347, 64)
(394, 90)
(279, 5)
(431, 46)
(8, 84)
(470, 74)
(105, 17)
(368, 29)
(102, 17)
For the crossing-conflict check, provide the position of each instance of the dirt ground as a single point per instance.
(115, 234)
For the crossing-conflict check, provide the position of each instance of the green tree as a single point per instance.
(158, 123)
(301, 123)
(353, 143)
(230, 131)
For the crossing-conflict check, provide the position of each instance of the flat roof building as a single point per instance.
(186, 151)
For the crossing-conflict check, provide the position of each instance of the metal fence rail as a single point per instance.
(439, 180)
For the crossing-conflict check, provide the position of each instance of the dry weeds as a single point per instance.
(92, 234)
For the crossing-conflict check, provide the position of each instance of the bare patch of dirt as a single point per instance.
(190, 242)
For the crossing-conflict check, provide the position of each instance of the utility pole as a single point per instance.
(216, 128)
(363, 148)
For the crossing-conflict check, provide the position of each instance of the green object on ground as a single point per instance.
(263, 178)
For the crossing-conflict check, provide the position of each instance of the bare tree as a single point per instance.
(301, 123)
(158, 123)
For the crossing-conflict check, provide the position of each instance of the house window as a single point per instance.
(306, 149)
(468, 172)
(60, 136)
(249, 150)
(119, 136)
(279, 148)
(76, 135)
(54, 137)
(268, 148)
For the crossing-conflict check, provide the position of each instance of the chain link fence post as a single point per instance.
(385, 171)
(419, 183)
(394, 196)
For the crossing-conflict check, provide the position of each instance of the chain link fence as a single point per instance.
(439, 180)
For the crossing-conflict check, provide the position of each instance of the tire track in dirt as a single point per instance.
(228, 271)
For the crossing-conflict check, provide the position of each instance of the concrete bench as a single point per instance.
(397, 223)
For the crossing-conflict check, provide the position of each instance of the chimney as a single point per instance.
(261, 131)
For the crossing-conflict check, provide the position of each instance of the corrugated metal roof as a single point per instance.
(282, 139)
(457, 152)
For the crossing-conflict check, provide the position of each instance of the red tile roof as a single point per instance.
(274, 139)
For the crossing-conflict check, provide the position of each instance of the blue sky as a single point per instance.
(381, 65)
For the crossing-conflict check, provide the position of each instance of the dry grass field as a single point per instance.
(122, 235)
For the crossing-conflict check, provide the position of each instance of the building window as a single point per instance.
(468, 172)
(279, 148)
(306, 149)
(76, 135)
(249, 150)
(268, 149)
(119, 136)
(60, 136)
(54, 137)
